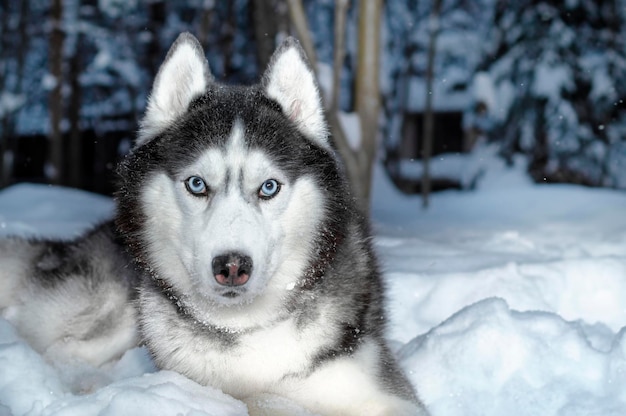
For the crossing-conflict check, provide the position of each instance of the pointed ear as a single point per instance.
(290, 81)
(182, 77)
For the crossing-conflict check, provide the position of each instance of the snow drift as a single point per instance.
(507, 300)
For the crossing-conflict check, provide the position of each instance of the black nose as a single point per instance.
(232, 269)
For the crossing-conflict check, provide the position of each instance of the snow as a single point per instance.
(10, 102)
(506, 300)
(41, 210)
(518, 290)
(482, 167)
(351, 124)
(551, 80)
(444, 98)
(116, 8)
(483, 90)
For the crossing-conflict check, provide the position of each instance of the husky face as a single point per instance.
(238, 223)
(228, 184)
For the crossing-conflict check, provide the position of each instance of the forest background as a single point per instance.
(541, 79)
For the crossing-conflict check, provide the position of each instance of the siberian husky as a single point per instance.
(237, 256)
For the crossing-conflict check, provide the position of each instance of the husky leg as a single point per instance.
(69, 300)
(353, 386)
(272, 405)
(15, 257)
(76, 321)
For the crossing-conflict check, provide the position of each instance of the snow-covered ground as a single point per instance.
(506, 300)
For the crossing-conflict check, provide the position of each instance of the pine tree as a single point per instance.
(563, 65)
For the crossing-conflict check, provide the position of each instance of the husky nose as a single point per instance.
(232, 269)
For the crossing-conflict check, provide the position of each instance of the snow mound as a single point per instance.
(33, 210)
(490, 360)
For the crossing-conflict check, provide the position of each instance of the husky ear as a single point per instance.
(183, 76)
(290, 81)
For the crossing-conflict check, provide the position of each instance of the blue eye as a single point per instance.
(196, 186)
(269, 189)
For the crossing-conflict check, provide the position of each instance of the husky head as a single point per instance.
(225, 199)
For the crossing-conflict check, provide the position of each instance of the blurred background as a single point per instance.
(538, 83)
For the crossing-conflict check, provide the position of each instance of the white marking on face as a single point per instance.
(190, 231)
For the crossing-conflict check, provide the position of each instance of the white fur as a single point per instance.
(290, 82)
(183, 76)
(348, 386)
(187, 232)
(60, 329)
(258, 363)
(15, 254)
(274, 360)
(266, 404)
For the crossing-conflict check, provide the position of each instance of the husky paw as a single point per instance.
(273, 405)
(403, 408)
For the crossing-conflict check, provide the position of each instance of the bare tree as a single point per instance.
(4, 58)
(11, 27)
(359, 161)
(75, 172)
(427, 132)
(55, 97)
(368, 91)
(339, 51)
(298, 18)
(205, 13)
(269, 19)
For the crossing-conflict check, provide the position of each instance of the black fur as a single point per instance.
(57, 261)
(337, 270)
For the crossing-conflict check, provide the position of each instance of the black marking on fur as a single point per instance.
(227, 179)
(62, 260)
(352, 335)
(326, 251)
(58, 261)
(222, 336)
(240, 180)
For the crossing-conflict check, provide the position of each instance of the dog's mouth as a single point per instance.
(231, 294)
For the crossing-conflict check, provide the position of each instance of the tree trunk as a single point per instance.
(339, 51)
(55, 97)
(367, 92)
(359, 162)
(204, 27)
(4, 57)
(12, 48)
(227, 38)
(75, 171)
(427, 132)
(265, 18)
(157, 12)
(298, 18)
